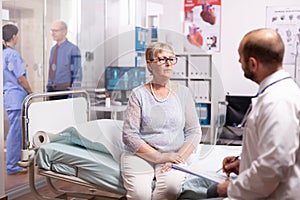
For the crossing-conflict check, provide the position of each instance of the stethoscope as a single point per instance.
(269, 85)
(257, 95)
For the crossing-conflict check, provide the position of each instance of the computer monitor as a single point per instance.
(124, 79)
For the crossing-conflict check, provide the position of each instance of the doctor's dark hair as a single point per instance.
(8, 31)
(269, 51)
(157, 47)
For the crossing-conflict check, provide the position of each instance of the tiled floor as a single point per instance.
(17, 180)
(13, 181)
(66, 186)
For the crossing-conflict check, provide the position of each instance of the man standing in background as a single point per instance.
(65, 62)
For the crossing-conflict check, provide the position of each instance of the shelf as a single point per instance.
(205, 126)
(204, 102)
(195, 71)
(179, 79)
(199, 78)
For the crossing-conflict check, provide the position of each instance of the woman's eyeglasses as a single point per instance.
(164, 60)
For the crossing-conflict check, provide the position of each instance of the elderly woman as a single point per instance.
(161, 128)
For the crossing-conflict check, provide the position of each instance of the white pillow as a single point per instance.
(105, 131)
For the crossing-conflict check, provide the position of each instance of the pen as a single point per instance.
(234, 159)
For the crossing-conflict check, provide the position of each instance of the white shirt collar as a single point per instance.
(273, 78)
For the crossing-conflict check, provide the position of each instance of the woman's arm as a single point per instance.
(186, 150)
(150, 154)
(23, 81)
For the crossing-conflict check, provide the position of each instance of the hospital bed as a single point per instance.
(61, 143)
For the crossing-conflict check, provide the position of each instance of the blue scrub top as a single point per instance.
(13, 68)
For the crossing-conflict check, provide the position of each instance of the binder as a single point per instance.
(194, 90)
(200, 90)
(203, 111)
(199, 66)
(204, 90)
(180, 69)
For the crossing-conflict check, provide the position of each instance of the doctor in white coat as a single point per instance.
(269, 167)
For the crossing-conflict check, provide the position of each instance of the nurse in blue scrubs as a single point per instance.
(15, 89)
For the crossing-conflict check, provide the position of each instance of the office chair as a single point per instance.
(230, 129)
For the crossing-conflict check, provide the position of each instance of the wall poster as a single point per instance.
(202, 24)
(286, 21)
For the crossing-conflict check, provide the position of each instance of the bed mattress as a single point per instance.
(92, 166)
(102, 170)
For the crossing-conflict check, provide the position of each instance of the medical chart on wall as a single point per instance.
(202, 24)
(286, 21)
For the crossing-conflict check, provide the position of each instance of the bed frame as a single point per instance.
(54, 116)
(38, 114)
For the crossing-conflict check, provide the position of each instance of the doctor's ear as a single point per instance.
(252, 62)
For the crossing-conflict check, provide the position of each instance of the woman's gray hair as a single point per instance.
(157, 47)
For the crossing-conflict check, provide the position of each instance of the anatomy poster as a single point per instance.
(286, 21)
(202, 24)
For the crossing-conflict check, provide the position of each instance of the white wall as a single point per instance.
(91, 40)
(120, 40)
(238, 17)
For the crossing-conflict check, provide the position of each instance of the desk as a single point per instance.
(113, 109)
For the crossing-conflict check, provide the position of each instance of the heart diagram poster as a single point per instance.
(202, 25)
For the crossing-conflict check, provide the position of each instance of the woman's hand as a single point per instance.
(172, 157)
(149, 153)
(166, 167)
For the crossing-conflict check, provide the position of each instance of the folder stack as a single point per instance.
(180, 67)
(199, 67)
(200, 90)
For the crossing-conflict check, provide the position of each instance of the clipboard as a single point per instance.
(211, 176)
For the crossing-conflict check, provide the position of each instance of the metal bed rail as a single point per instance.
(28, 155)
(26, 104)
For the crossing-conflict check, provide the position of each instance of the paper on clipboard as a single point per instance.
(209, 161)
(207, 175)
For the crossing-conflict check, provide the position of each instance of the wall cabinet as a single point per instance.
(195, 71)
